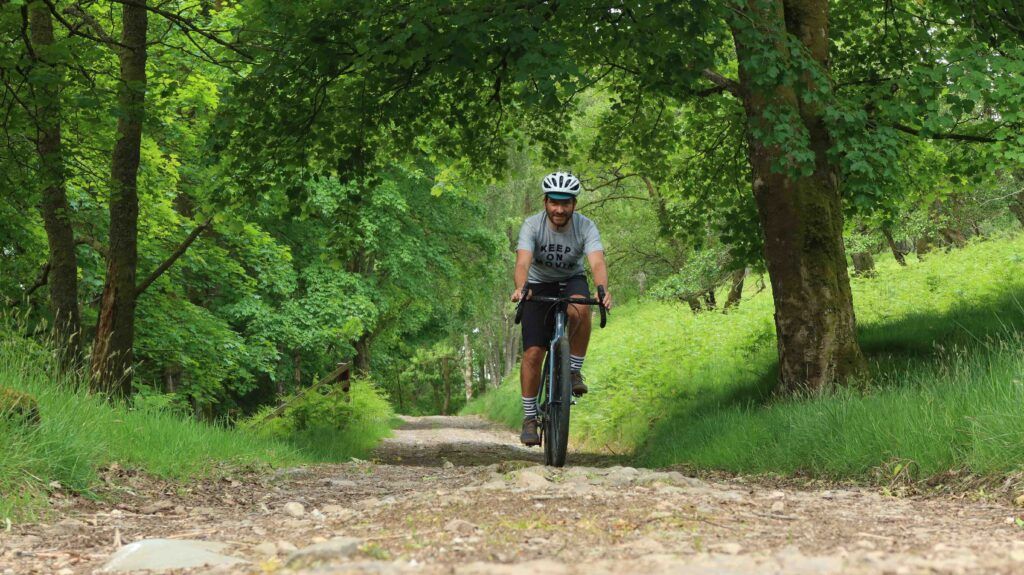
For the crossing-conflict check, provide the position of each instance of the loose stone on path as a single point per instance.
(167, 554)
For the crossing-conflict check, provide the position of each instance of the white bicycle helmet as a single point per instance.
(561, 186)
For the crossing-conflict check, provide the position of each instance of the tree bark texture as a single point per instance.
(362, 359)
(863, 264)
(801, 215)
(1017, 206)
(467, 367)
(54, 207)
(447, 386)
(896, 251)
(115, 329)
(735, 288)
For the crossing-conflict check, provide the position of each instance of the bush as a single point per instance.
(328, 424)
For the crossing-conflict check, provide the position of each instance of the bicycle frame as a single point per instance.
(561, 323)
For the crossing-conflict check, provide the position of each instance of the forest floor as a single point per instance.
(459, 495)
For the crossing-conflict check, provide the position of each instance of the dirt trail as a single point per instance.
(459, 495)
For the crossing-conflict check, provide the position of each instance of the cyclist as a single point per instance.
(549, 261)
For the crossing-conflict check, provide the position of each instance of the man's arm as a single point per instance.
(523, 260)
(599, 268)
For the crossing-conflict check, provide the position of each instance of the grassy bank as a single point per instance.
(944, 391)
(79, 433)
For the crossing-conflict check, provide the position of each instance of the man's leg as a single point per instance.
(579, 339)
(529, 380)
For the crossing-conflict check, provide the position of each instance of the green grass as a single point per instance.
(947, 359)
(80, 432)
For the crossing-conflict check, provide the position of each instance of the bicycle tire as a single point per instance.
(557, 422)
(544, 407)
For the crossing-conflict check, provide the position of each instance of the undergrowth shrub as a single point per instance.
(326, 423)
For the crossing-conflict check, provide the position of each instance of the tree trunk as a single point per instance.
(800, 214)
(54, 208)
(172, 373)
(115, 329)
(1017, 206)
(709, 299)
(694, 303)
(296, 370)
(447, 387)
(863, 264)
(954, 237)
(735, 288)
(362, 359)
(467, 368)
(896, 251)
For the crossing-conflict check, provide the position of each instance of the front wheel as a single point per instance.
(556, 421)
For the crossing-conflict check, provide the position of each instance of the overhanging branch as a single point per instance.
(172, 258)
(722, 84)
(947, 136)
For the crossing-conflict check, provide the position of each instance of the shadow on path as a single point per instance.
(468, 441)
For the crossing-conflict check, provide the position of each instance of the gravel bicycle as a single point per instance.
(555, 397)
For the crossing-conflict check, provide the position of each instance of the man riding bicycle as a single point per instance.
(549, 262)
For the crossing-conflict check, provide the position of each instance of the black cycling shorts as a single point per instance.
(539, 318)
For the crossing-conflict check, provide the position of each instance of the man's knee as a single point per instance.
(579, 313)
(533, 355)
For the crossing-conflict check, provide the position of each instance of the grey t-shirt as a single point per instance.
(558, 256)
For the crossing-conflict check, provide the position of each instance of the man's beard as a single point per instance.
(565, 222)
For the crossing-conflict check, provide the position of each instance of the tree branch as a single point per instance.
(187, 26)
(44, 275)
(93, 243)
(721, 84)
(99, 35)
(173, 257)
(948, 136)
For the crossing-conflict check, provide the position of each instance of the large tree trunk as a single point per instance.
(735, 288)
(56, 212)
(115, 330)
(800, 214)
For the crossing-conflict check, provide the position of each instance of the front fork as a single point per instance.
(560, 320)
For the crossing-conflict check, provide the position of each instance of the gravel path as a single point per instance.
(457, 495)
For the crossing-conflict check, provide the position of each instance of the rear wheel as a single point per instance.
(556, 420)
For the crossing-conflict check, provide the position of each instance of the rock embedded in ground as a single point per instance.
(286, 547)
(532, 478)
(621, 476)
(330, 551)
(291, 473)
(460, 527)
(265, 549)
(294, 509)
(338, 483)
(167, 554)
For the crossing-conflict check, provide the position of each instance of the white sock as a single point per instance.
(576, 363)
(530, 407)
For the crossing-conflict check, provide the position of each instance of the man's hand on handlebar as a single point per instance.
(519, 294)
(606, 301)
